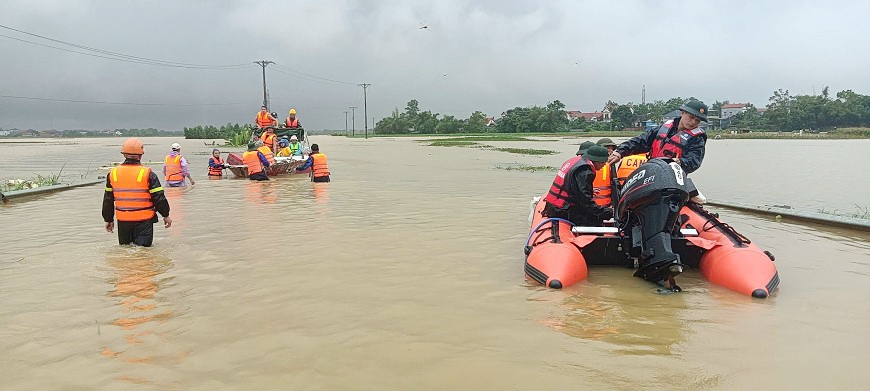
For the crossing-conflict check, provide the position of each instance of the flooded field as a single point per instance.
(405, 272)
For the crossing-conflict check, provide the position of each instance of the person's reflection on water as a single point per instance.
(641, 322)
(261, 193)
(142, 312)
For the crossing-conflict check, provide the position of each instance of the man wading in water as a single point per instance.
(134, 194)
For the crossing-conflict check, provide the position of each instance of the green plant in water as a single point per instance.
(239, 139)
(452, 143)
(38, 181)
(861, 212)
(527, 151)
(524, 167)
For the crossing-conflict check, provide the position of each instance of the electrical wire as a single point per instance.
(116, 56)
(317, 78)
(126, 103)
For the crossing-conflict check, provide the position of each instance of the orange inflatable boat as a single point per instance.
(658, 232)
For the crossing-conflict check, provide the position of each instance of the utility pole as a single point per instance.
(366, 108)
(263, 64)
(643, 95)
(353, 120)
(373, 125)
(345, 122)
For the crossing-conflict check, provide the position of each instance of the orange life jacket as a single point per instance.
(132, 196)
(268, 154)
(672, 147)
(318, 166)
(601, 187)
(268, 139)
(263, 119)
(216, 171)
(252, 160)
(173, 168)
(627, 166)
(292, 124)
(558, 195)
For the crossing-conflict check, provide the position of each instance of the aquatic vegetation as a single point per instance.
(524, 167)
(453, 143)
(38, 181)
(527, 151)
(495, 137)
(861, 212)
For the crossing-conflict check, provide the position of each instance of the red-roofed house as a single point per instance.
(732, 109)
(595, 116)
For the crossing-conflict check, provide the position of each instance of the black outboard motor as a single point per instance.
(650, 203)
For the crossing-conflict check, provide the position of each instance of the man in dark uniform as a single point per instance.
(680, 139)
(570, 196)
(134, 193)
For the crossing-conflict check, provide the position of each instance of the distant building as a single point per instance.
(490, 121)
(732, 109)
(649, 125)
(596, 116)
(5, 133)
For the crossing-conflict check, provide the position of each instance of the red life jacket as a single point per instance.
(216, 171)
(558, 195)
(292, 124)
(671, 147)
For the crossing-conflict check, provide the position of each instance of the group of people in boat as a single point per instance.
(581, 191)
(265, 119)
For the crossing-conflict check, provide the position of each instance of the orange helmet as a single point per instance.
(133, 147)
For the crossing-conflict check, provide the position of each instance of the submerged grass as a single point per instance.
(524, 167)
(527, 151)
(861, 212)
(453, 143)
(500, 137)
(38, 181)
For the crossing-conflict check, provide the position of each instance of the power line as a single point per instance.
(318, 78)
(123, 103)
(116, 56)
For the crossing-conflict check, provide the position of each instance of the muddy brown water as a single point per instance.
(405, 272)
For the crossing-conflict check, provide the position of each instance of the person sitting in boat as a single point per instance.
(317, 163)
(295, 146)
(571, 198)
(265, 151)
(264, 119)
(680, 139)
(270, 139)
(256, 162)
(292, 122)
(584, 147)
(283, 148)
(176, 169)
(216, 165)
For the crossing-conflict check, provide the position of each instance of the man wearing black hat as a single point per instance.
(679, 139)
(570, 196)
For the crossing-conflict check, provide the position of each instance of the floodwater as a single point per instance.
(405, 272)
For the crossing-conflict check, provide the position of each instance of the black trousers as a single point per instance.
(140, 233)
(320, 179)
(260, 176)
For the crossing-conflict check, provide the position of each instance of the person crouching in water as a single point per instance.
(216, 165)
(256, 162)
(176, 169)
(571, 195)
(317, 163)
(134, 196)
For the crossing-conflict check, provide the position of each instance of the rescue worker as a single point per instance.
(216, 165)
(264, 119)
(256, 162)
(134, 196)
(295, 146)
(679, 139)
(291, 121)
(584, 147)
(570, 196)
(269, 139)
(317, 162)
(176, 169)
(266, 151)
(601, 186)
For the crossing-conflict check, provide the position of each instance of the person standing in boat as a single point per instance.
(680, 139)
(269, 139)
(176, 169)
(216, 165)
(264, 119)
(292, 122)
(317, 163)
(256, 162)
(134, 196)
(571, 197)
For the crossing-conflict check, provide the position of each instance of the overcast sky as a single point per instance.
(483, 55)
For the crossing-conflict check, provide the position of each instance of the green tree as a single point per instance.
(622, 117)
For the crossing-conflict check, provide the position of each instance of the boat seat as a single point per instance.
(613, 230)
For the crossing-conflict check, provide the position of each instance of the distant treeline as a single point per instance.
(225, 132)
(785, 112)
(149, 132)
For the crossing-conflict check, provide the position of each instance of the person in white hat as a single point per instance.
(176, 169)
(295, 145)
